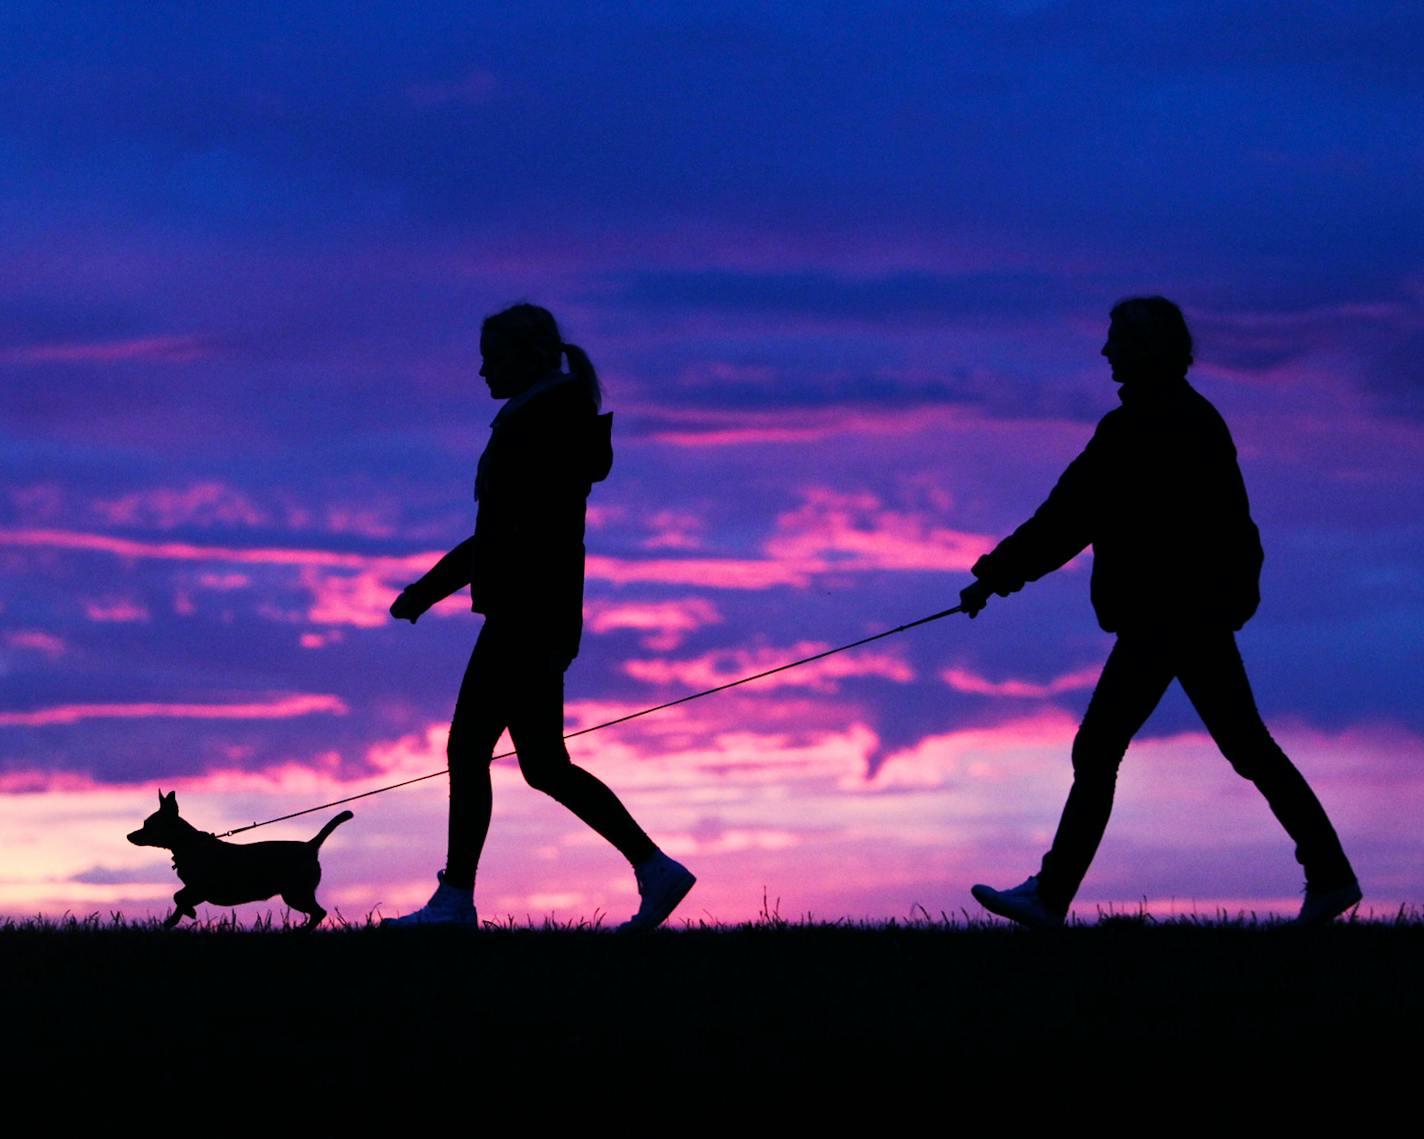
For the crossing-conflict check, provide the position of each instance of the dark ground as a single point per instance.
(937, 1024)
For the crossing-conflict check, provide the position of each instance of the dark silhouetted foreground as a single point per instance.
(930, 1025)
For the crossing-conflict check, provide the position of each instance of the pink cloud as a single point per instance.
(315, 777)
(734, 841)
(674, 530)
(224, 582)
(754, 793)
(752, 759)
(166, 508)
(189, 551)
(834, 530)
(664, 623)
(361, 599)
(713, 573)
(711, 428)
(37, 641)
(962, 680)
(366, 521)
(347, 589)
(34, 781)
(735, 737)
(831, 532)
(996, 754)
(283, 708)
(414, 754)
(116, 609)
(156, 349)
(601, 515)
(716, 668)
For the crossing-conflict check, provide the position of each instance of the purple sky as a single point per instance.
(845, 277)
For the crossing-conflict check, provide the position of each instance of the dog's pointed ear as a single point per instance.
(160, 796)
(170, 802)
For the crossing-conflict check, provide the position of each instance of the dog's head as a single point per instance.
(163, 827)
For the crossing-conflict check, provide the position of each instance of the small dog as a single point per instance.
(226, 874)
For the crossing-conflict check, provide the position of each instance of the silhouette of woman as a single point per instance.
(525, 568)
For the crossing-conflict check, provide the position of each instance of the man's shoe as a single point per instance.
(1021, 904)
(449, 905)
(662, 884)
(1321, 907)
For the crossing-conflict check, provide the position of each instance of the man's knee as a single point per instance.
(1251, 751)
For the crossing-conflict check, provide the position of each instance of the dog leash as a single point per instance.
(619, 720)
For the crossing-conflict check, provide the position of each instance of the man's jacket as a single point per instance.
(1158, 495)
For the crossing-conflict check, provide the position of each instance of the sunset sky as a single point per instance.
(845, 270)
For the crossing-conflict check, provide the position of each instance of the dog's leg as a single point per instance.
(184, 899)
(303, 900)
(300, 893)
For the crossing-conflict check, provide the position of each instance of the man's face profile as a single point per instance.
(1126, 352)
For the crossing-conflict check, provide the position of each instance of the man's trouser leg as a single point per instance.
(1136, 674)
(1214, 679)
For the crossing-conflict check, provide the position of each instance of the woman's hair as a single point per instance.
(533, 332)
(1159, 327)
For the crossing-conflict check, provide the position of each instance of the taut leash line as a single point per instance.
(621, 719)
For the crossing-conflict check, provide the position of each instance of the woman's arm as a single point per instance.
(452, 572)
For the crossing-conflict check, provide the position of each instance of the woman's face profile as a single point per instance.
(505, 371)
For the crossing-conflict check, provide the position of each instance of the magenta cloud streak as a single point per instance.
(280, 709)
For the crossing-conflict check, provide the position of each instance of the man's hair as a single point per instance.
(1158, 326)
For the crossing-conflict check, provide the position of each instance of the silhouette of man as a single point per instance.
(1158, 495)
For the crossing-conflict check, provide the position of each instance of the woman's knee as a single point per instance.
(547, 771)
(468, 752)
(1097, 753)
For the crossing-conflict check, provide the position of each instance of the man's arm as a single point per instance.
(1059, 530)
(453, 571)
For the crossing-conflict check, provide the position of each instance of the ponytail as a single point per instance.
(534, 332)
(581, 368)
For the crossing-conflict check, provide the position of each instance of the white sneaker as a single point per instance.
(1321, 907)
(449, 905)
(1021, 904)
(662, 884)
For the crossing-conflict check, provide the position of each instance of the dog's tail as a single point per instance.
(322, 834)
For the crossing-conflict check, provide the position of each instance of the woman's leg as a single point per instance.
(536, 724)
(474, 731)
